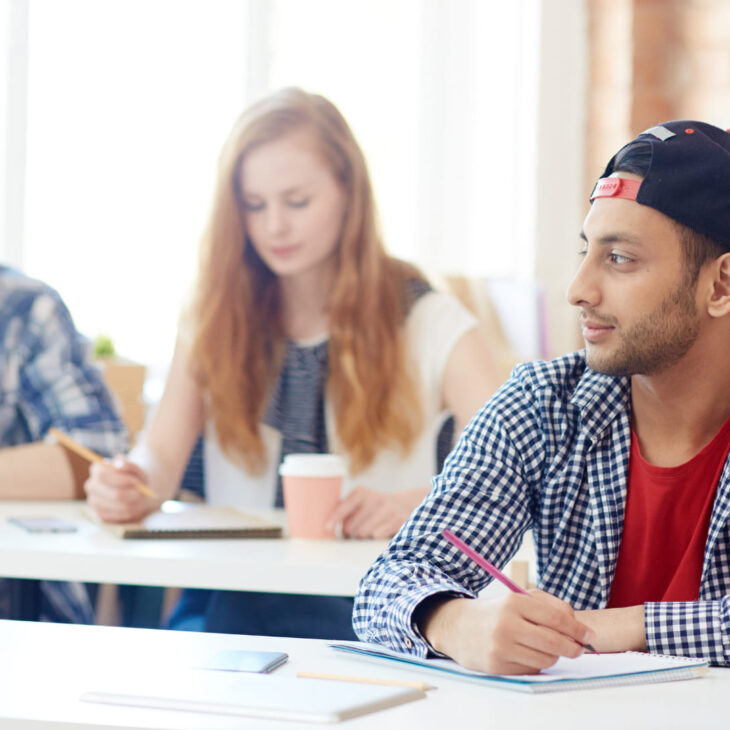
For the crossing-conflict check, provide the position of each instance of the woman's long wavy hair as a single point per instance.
(238, 338)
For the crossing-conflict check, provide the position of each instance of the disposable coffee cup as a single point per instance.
(312, 485)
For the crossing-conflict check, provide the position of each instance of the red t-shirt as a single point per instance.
(668, 512)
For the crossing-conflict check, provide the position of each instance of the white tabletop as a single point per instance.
(46, 667)
(92, 554)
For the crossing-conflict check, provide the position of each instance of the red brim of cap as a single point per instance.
(616, 187)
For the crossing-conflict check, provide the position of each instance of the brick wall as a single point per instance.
(609, 97)
(650, 61)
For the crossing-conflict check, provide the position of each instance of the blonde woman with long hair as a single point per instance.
(304, 336)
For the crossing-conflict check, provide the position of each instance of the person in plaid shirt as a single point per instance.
(46, 381)
(616, 457)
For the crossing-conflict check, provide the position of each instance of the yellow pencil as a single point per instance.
(368, 680)
(90, 455)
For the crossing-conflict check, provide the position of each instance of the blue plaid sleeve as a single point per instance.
(549, 452)
(691, 628)
(483, 499)
(57, 386)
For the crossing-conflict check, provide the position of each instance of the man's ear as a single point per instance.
(719, 304)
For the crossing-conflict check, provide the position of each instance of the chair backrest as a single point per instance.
(511, 314)
(520, 305)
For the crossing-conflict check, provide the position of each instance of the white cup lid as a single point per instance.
(313, 465)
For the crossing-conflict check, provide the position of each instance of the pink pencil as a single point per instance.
(494, 572)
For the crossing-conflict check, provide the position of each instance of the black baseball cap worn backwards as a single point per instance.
(688, 177)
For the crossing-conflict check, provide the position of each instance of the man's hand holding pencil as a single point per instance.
(517, 634)
(522, 633)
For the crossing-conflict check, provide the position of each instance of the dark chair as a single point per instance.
(23, 599)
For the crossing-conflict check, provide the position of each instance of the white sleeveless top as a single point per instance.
(434, 325)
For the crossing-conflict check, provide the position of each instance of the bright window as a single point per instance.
(128, 104)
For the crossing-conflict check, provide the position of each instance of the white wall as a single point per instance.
(559, 172)
(13, 98)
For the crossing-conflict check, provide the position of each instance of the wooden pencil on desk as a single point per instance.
(90, 455)
(367, 680)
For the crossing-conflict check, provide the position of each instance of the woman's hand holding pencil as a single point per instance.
(112, 489)
(117, 489)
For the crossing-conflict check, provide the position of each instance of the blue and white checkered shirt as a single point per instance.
(45, 380)
(548, 453)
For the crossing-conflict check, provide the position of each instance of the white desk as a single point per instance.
(94, 555)
(45, 667)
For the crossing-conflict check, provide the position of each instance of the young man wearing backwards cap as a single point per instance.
(616, 457)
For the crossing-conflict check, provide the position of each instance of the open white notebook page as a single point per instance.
(589, 666)
(585, 667)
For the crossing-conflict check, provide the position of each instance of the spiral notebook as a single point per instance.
(183, 519)
(585, 672)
